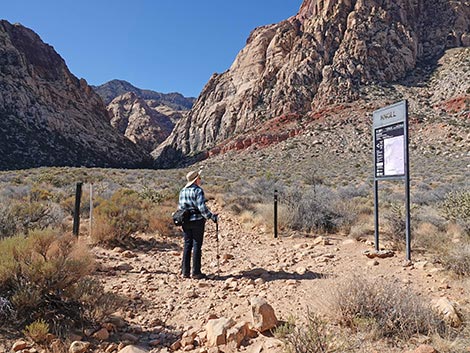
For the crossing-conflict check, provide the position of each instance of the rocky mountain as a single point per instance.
(112, 89)
(323, 56)
(48, 117)
(145, 117)
(133, 118)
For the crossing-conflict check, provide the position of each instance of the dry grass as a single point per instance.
(428, 236)
(315, 336)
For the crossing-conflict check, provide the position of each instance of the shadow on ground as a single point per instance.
(272, 275)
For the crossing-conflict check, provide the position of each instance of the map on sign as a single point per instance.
(394, 159)
(389, 150)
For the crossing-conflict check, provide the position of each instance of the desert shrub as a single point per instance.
(425, 195)
(456, 207)
(96, 304)
(35, 272)
(120, 216)
(431, 215)
(68, 204)
(22, 216)
(257, 190)
(361, 228)
(265, 216)
(317, 209)
(8, 226)
(384, 307)
(395, 217)
(430, 237)
(313, 178)
(152, 195)
(14, 192)
(313, 337)
(457, 259)
(352, 191)
(37, 331)
(160, 221)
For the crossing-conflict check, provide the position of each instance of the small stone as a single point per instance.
(101, 334)
(129, 337)
(79, 347)
(175, 346)
(19, 346)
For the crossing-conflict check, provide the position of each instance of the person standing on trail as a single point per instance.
(192, 198)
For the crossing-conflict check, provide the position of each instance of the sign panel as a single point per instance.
(389, 141)
(389, 150)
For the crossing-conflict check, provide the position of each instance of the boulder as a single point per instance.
(448, 311)
(237, 333)
(217, 331)
(263, 315)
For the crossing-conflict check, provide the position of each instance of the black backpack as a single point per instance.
(181, 217)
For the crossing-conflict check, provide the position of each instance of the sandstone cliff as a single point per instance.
(133, 118)
(321, 56)
(48, 116)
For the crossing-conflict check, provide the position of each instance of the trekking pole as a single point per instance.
(217, 241)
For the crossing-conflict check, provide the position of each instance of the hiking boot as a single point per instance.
(184, 275)
(199, 276)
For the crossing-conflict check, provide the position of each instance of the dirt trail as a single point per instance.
(294, 274)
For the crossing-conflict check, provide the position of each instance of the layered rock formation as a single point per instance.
(145, 117)
(323, 55)
(133, 118)
(112, 89)
(48, 117)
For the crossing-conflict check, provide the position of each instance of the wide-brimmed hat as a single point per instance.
(191, 177)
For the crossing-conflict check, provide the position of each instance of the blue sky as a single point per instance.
(163, 45)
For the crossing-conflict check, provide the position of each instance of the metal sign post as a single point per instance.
(275, 213)
(91, 209)
(391, 161)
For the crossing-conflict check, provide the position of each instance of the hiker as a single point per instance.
(192, 197)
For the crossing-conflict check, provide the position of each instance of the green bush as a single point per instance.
(37, 331)
(456, 207)
(152, 195)
(120, 216)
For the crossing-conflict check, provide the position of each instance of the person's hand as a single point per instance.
(215, 217)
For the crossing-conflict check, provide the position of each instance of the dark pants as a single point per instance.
(193, 233)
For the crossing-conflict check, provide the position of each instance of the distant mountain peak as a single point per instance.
(114, 88)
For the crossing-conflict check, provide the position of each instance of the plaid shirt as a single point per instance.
(192, 198)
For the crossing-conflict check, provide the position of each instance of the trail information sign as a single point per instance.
(390, 134)
(389, 140)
